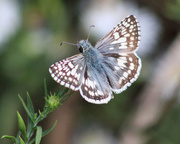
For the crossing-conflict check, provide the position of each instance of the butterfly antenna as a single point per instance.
(67, 43)
(90, 31)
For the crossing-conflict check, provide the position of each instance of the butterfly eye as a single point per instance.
(81, 49)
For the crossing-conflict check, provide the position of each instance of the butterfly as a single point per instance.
(111, 66)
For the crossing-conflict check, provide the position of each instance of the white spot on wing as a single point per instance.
(132, 38)
(120, 80)
(86, 89)
(125, 74)
(127, 25)
(55, 78)
(121, 63)
(131, 27)
(123, 58)
(62, 83)
(131, 66)
(70, 79)
(120, 40)
(117, 68)
(130, 59)
(70, 65)
(129, 71)
(123, 47)
(73, 72)
(66, 85)
(72, 87)
(78, 76)
(52, 75)
(127, 35)
(111, 48)
(68, 73)
(116, 35)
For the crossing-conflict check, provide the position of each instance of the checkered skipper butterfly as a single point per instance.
(111, 66)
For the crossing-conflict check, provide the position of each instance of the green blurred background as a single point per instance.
(147, 112)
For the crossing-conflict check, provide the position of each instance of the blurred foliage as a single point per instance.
(167, 130)
(173, 10)
(26, 57)
(26, 134)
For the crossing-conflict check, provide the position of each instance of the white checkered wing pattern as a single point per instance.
(124, 37)
(121, 70)
(95, 87)
(111, 66)
(69, 72)
(121, 63)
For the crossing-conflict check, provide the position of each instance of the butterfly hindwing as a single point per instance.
(95, 87)
(121, 70)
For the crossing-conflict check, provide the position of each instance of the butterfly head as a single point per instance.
(83, 46)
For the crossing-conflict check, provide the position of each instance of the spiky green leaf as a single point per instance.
(26, 109)
(45, 132)
(31, 110)
(38, 135)
(49, 130)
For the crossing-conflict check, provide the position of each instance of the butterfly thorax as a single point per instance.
(91, 55)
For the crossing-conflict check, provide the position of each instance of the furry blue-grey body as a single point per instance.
(93, 58)
(94, 66)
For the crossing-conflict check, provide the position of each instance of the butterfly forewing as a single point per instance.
(124, 37)
(69, 72)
